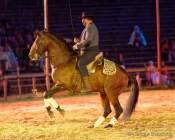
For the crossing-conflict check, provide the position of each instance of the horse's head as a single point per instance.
(58, 50)
(38, 47)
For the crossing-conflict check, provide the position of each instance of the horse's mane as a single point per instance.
(56, 39)
(59, 40)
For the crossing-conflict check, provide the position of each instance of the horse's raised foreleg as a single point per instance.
(107, 110)
(50, 102)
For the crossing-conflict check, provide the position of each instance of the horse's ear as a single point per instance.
(38, 33)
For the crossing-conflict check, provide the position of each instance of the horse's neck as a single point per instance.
(58, 55)
(71, 64)
(64, 69)
(67, 74)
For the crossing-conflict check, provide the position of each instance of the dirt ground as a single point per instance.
(157, 101)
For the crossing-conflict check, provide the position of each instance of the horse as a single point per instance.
(65, 72)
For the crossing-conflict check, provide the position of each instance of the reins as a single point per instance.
(71, 19)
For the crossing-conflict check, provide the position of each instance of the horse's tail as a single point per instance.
(133, 98)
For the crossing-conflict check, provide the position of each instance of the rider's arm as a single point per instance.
(88, 38)
(76, 40)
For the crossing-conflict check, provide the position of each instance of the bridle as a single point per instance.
(36, 48)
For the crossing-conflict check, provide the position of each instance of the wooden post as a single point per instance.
(33, 82)
(46, 53)
(34, 90)
(158, 39)
(5, 81)
(18, 82)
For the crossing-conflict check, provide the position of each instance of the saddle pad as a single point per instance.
(109, 67)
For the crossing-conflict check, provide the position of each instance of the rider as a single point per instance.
(89, 42)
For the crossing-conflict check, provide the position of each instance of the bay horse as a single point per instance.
(65, 72)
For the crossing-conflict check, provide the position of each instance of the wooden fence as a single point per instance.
(34, 76)
(18, 77)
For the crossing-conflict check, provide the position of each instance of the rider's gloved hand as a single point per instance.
(75, 47)
(76, 40)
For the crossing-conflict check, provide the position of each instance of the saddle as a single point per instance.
(109, 67)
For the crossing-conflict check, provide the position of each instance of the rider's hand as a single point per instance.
(75, 47)
(76, 40)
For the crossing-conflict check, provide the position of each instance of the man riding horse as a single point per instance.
(108, 79)
(89, 43)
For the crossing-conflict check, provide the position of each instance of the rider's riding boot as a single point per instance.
(86, 85)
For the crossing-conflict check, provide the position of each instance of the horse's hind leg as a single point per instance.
(107, 110)
(49, 101)
(113, 97)
(106, 104)
(118, 112)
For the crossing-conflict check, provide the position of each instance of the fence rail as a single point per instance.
(34, 76)
(18, 77)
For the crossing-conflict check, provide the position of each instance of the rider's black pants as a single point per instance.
(85, 59)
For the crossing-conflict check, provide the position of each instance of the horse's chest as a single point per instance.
(69, 77)
(61, 75)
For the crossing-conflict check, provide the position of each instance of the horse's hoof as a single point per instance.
(62, 111)
(90, 126)
(50, 113)
(109, 126)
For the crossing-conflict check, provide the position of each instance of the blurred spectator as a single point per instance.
(164, 73)
(121, 61)
(2, 31)
(20, 41)
(173, 50)
(12, 60)
(22, 48)
(1, 83)
(29, 38)
(139, 79)
(151, 73)
(19, 53)
(137, 38)
(4, 59)
(2, 66)
(2, 34)
(165, 50)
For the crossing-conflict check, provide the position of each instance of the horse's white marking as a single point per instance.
(100, 120)
(46, 103)
(52, 102)
(53, 71)
(113, 121)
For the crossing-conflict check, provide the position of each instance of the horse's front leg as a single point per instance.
(50, 102)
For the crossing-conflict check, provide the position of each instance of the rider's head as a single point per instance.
(86, 18)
